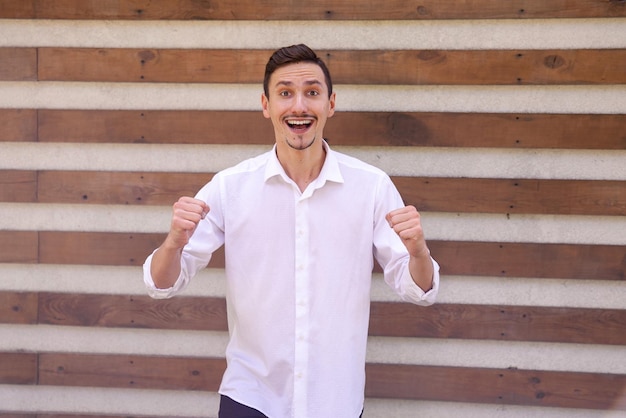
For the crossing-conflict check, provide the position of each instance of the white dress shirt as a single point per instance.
(299, 270)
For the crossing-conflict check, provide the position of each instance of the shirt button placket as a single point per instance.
(301, 308)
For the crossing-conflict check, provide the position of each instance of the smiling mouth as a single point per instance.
(299, 125)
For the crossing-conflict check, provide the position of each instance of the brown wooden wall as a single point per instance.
(541, 197)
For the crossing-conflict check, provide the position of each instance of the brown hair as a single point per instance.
(291, 55)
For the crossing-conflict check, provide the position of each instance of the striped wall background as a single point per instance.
(503, 122)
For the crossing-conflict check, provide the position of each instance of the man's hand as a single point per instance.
(406, 222)
(187, 213)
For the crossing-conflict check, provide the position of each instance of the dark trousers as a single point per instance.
(232, 409)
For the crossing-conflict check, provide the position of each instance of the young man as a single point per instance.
(302, 225)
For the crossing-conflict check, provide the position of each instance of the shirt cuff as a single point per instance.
(414, 293)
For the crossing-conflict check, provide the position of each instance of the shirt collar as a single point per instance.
(330, 169)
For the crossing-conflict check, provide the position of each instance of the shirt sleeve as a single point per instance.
(393, 256)
(207, 238)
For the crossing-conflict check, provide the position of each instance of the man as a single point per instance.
(302, 225)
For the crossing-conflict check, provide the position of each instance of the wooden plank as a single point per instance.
(18, 125)
(11, 9)
(18, 247)
(497, 386)
(120, 188)
(18, 368)
(320, 10)
(190, 313)
(483, 322)
(507, 323)
(567, 261)
(18, 186)
(398, 67)
(573, 261)
(474, 195)
(18, 307)
(517, 196)
(576, 131)
(128, 371)
(18, 64)
(104, 248)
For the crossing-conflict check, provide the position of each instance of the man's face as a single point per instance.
(298, 104)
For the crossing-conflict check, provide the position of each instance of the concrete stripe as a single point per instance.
(547, 229)
(597, 99)
(422, 351)
(434, 34)
(396, 161)
(83, 400)
(113, 280)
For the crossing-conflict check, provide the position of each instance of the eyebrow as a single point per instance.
(289, 83)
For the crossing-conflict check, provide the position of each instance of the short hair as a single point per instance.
(292, 55)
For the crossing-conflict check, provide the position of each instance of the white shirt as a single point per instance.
(299, 269)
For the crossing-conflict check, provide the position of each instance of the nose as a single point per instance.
(299, 104)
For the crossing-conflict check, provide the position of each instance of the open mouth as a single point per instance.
(299, 125)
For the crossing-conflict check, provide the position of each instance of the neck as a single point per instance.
(302, 166)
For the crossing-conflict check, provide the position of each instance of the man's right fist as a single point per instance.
(187, 213)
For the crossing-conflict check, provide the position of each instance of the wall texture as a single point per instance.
(503, 122)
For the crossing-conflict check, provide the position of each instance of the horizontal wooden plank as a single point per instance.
(96, 248)
(567, 261)
(120, 188)
(103, 248)
(18, 246)
(576, 131)
(18, 307)
(321, 10)
(18, 125)
(125, 371)
(565, 197)
(506, 323)
(573, 261)
(18, 64)
(398, 67)
(497, 386)
(18, 368)
(191, 313)
(18, 186)
(521, 196)
(439, 383)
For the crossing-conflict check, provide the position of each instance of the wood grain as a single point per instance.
(567, 261)
(398, 67)
(320, 10)
(473, 195)
(127, 371)
(18, 186)
(497, 386)
(18, 247)
(18, 307)
(18, 64)
(485, 322)
(576, 131)
(18, 125)
(18, 368)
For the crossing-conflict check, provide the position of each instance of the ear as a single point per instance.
(331, 105)
(265, 105)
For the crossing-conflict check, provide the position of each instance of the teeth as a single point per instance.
(299, 122)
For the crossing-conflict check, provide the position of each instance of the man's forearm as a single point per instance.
(421, 269)
(165, 266)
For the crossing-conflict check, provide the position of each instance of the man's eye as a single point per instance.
(314, 93)
(283, 93)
